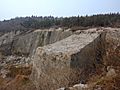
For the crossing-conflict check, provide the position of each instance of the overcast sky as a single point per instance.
(13, 8)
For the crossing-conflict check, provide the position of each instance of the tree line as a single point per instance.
(35, 22)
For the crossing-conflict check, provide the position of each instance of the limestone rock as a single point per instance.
(111, 72)
(60, 64)
(6, 40)
(74, 59)
(27, 44)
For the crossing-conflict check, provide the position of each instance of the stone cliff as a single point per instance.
(25, 43)
(28, 43)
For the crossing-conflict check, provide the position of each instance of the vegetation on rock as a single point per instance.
(34, 22)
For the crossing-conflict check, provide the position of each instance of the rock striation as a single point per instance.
(25, 43)
(74, 59)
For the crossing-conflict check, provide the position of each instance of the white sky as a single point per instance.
(13, 8)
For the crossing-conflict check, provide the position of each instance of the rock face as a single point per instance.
(17, 48)
(74, 59)
(60, 64)
(25, 43)
(6, 41)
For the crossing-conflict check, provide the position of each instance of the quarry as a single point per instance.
(60, 59)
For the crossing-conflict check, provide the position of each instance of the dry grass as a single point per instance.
(104, 82)
(21, 82)
(14, 71)
(19, 79)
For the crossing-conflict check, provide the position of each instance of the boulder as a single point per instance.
(60, 64)
(74, 59)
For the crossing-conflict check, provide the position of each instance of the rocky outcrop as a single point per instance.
(74, 59)
(18, 47)
(60, 64)
(64, 60)
(6, 41)
(25, 43)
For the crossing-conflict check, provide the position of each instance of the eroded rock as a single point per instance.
(60, 64)
(27, 44)
(74, 59)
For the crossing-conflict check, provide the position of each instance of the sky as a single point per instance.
(21, 8)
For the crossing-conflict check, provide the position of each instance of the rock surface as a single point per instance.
(25, 43)
(60, 64)
(17, 49)
(74, 59)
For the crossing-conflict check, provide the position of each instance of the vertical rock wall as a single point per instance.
(25, 43)
(28, 43)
